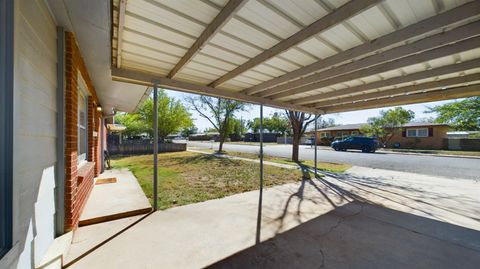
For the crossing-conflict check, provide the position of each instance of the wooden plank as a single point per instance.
(344, 12)
(392, 81)
(216, 25)
(438, 95)
(148, 79)
(444, 83)
(458, 47)
(430, 24)
(121, 24)
(460, 33)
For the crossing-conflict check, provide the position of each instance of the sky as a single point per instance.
(359, 116)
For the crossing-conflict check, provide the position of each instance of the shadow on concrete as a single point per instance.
(362, 235)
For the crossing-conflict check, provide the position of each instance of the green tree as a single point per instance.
(461, 115)
(277, 123)
(254, 125)
(218, 111)
(236, 129)
(173, 116)
(186, 132)
(134, 123)
(387, 124)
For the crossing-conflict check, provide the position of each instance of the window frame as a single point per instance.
(324, 135)
(6, 121)
(82, 93)
(417, 131)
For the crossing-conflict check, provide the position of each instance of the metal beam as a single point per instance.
(425, 26)
(441, 39)
(155, 147)
(121, 22)
(447, 50)
(260, 196)
(403, 90)
(146, 79)
(220, 20)
(341, 14)
(449, 69)
(453, 93)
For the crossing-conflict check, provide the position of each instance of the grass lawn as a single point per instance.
(322, 166)
(186, 177)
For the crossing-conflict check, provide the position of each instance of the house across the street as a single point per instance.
(411, 135)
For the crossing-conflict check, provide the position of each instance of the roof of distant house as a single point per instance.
(356, 126)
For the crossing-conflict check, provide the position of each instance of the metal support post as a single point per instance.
(315, 141)
(260, 198)
(155, 147)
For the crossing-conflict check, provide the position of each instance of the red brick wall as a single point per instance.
(78, 181)
(436, 141)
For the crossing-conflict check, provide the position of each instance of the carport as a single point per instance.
(319, 57)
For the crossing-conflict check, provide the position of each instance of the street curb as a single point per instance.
(419, 154)
(433, 155)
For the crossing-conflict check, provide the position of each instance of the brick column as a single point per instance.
(71, 136)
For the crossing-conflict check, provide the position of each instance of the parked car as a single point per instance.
(365, 144)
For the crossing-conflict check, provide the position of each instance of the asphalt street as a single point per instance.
(449, 167)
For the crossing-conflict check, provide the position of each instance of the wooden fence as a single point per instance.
(144, 148)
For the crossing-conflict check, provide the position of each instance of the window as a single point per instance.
(82, 123)
(6, 123)
(355, 132)
(324, 135)
(343, 134)
(421, 132)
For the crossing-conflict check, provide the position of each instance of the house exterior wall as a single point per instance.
(35, 133)
(435, 141)
(34, 143)
(78, 180)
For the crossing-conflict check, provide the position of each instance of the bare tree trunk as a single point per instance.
(221, 141)
(296, 146)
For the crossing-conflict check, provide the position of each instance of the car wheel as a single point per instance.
(366, 149)
(343, 149)
(336, 148)
(372, 151)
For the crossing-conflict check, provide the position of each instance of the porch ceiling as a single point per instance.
(90, 21)
(312, 55)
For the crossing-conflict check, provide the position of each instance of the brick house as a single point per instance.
(52, 119)
(411, 135)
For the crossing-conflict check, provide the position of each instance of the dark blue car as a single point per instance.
(365, 144)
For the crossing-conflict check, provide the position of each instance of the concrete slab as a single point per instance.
(87, 237)
(111, 201)
(368, 218)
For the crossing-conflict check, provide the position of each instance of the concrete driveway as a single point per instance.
(449, 167)
(367, 218)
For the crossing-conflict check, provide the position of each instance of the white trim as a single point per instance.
(82, 94)
(417, 131)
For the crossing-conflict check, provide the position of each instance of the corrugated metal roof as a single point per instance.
(288, 53)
